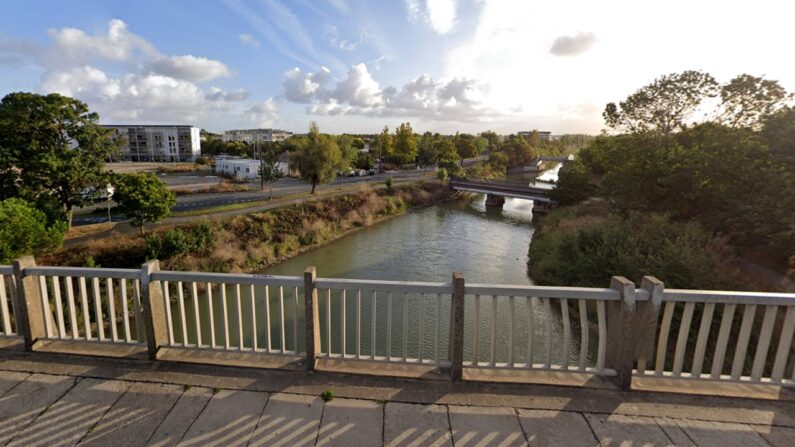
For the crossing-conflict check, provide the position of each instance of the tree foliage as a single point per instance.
(143, 198)
(465, 146)
(52, 150)
(405, 148)
(318, 157)
(746, 99)
(573, 185)
(24, 230)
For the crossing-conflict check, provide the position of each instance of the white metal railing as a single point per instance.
(8, 324)
(110, 313)
(548, 328)
(750, 322)
(235, 312)
(384, 321)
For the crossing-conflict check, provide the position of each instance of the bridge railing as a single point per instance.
(619, 332)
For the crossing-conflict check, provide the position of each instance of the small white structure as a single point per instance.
(239, 168)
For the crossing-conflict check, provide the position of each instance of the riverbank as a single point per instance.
(255, 241)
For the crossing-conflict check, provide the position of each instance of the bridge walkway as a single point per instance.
(57, 400)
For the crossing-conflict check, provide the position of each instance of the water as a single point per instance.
(488, 245)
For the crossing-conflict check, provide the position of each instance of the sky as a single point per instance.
(357, 66)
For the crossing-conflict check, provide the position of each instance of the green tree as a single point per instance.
(747, 99)
(664, 106)
(448, 158)
(24, 230)
(573, 185)
(269, 170)
(427, 155)
(405, 149)
(518, 151)
(385, 145)
(348, 152)
(52, 150)
(318, 157)
(143, 198)
(465, 146)
(492, 138)
(778, 133)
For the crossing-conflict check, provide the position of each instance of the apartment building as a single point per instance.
(158, 142)
(544, 135)
(250, 136)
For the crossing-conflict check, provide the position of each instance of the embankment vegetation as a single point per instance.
(251, 242)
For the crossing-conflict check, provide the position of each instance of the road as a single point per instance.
(283, 187)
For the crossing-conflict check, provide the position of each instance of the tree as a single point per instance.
(747, 99)
(518, 150)
(269, 170)
(405, 150)
(573, 185)
(52, 150)
(427, 149)
(448, 158)
(779, 134)
(385, 145)
(143, 198)
(348, 152)
(664, 106)
(318, 157)
(465, 146)
(492, 138)
(24, 230)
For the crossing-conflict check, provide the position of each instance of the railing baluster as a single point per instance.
(530, 330)
(762, 346)
(196, 316)
(98, 309)
(343, 326)
(422, 328)
(70, 301)
(749, 312)
(139, 325)
(493, 353)
(476, 330)
(84, 304)
(56, 286)
(584, 334)
(281, 320)
(681, 339)
(511, 329)
(548, 322)
(662, 345)
(328, 322)
(601, 349)
(169, 318)
(723, 340)
(125, 311)
(4, 306)
(784, 345)
(225, 314)
(268, 342)
(372, 326)
(114, 331)
(239, 309)
(438, 322)
(253, 296)
(358, 323)
(45, 303)
(182, 318)
(211, 313)
(295, 319)
(389, 326)
(564, 311)
(701, 341)
(405, 326)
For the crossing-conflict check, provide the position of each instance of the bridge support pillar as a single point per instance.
(494, 200)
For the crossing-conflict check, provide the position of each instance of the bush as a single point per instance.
(573, 185)
(388, 183)
(24, 231)
(196, 240)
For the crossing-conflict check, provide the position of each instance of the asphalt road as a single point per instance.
(281, 188)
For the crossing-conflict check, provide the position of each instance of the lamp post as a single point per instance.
(110, 190)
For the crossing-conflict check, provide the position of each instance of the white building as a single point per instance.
(543, 134)
(250, 136)
(239, 168)
(158, 142)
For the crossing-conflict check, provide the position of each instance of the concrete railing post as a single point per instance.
(153, 309)
(648, 313)
(312, 318)
(456, 348)
(621, 342)
(28, 305)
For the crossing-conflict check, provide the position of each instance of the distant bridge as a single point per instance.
(492, 189)
(557, 159)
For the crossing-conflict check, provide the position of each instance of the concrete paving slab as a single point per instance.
(620, 430)
(288, 420)
(135, 416)
(674, 432)
(181, 416)
(777, 436)
(544, 427)
(9, 379)
(69, 419)
(20, 405)
(348, 422)
(229, 419)
(481, 426)
(722, 434)
(416, 425)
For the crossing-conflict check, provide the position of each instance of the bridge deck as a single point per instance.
(65, 401)
(502, 189)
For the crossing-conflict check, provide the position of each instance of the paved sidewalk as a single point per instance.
(131, 405)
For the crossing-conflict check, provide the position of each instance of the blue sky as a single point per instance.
(355, 66)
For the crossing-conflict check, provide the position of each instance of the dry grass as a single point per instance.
(176, 168)
(223, 186)
(85, 230)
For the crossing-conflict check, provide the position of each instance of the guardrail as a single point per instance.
(620, 332)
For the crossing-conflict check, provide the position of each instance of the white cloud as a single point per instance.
(359, 88)
(217, 94)
(263, 114)
(439, 14)
(573, 45)
(119, 44)
(302, 88)
(190, 68)
(248, 39)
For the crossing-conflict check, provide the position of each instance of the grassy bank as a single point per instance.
(251, 242)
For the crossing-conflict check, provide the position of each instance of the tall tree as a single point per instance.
(747, 99)
(492, 138)
(664, 106)
(269, 170)
(52, 150)
(143, 198)
(427, 154)
(465, 146)
(385, 145)
(405, 145)
(317, 158)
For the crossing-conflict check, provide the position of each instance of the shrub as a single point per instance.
(24, 230)
(196, 240)
(388, 183)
